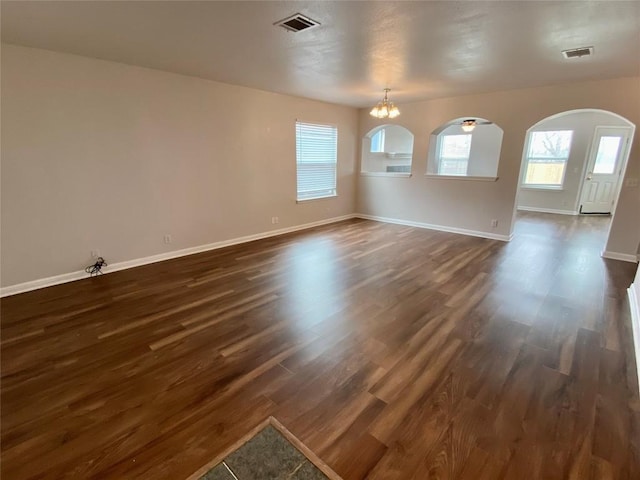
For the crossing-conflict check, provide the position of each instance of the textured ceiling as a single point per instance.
(420, 50)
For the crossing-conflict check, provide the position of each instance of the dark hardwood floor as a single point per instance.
(391, 352)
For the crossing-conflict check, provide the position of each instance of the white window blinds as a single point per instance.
(316, 159)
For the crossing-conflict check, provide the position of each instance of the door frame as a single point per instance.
(624, 159)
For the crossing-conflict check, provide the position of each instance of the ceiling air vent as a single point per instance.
(578, 52)
(297, 23)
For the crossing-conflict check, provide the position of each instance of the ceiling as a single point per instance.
(421, 50)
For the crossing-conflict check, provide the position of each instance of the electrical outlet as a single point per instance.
(274, 220)
(631, 182)
(494, 223)
(167, 239)
(95, 253)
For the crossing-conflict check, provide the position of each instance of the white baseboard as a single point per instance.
(634, 304)
(114, 267)
(441, 228)
(547, 210)
(625, 257)
(42, 283)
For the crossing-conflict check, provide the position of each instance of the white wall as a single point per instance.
(485, 151)
(101, 155)
(634, 305)
(635, 287)
(471, 205)
(583, 125)
(398, 140)
(483, 155)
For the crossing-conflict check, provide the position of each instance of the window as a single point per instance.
(377, 142)
(547, 157)
(607, 155)
(316, 160)
(454, 154)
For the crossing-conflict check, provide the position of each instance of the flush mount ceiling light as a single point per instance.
(385, 108)
(468, 125)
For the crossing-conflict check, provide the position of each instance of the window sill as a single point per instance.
(305, 200)
(542, 187)
(385, 174)
(462, 177)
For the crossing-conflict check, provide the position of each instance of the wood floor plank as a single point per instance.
(392, 352)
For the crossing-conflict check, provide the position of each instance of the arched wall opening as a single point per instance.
(574, 163)
(387, 150)
(458, 151)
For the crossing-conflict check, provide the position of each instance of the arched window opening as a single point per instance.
(387, 149)
(465, 148)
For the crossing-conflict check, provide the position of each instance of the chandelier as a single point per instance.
(385, 108)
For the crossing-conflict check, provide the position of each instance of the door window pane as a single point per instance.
(607, 155)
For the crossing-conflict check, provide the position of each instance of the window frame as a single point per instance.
(439, 147)
(304, 196)
(527, 159)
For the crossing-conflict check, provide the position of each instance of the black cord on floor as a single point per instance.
(95, 269)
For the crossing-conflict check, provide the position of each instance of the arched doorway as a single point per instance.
(573, 163)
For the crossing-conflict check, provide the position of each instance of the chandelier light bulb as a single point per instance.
(385, 108)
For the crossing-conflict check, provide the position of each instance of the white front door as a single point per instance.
(604, 169)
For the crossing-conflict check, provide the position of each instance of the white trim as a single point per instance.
(42, 283)
(624, 160)
(461, 177)
(72, 276)
(634, 305)
(398, 155)
(441, 228)
(546, 188)
(625, 257)
(385, 174)
(547, 210)
(311, 199)
(578, 110)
